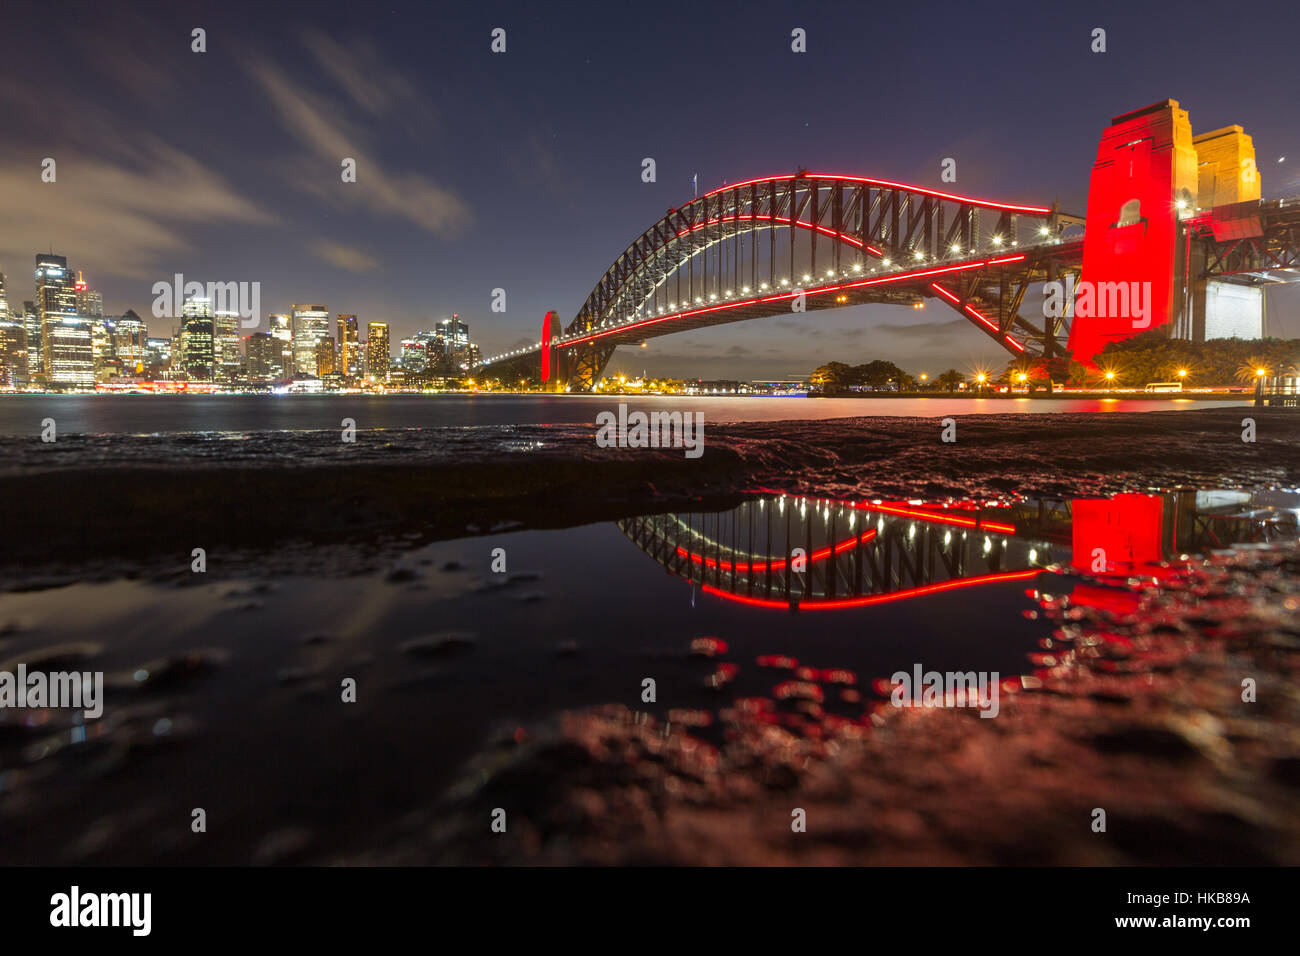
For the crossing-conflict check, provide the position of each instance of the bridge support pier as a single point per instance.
(583, 367)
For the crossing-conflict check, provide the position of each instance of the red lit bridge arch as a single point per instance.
(753, 249)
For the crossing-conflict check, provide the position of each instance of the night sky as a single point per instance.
(522, 170)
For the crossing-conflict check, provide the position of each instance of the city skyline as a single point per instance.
(62, 339)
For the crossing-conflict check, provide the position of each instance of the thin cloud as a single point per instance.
(345, 257)
(132, 214)
(327, 137)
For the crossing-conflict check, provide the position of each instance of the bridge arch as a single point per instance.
(745, 250)
(712, 242)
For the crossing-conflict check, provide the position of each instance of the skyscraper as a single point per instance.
(56, 305)
(349, 346)
(198, 354)
(32, 326)
(311, 323)
(69, 347)
(89, 302)
(325, 357)
(158, 358)
(378, 357)
(282, 332)
(13, 352)
(129, 342)
(101, 347)
(264, 356)
(13, 344)
(417, 353)
(227, 363)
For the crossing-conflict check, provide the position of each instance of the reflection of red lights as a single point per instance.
(1121, 531)
(908, 512)
(776, 564)
(1106, 599)
(813, 604)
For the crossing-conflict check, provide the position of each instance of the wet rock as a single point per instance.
(293, 675)
(1152, 742)
(11, 626)
(282, 846)
(168, 673)
(57, 657)
(443, 644)
(262, 587)
(708, 647)
(1286, 770)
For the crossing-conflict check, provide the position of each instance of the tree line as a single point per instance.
(1132, 363)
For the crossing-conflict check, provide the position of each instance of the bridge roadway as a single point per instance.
(955, 278)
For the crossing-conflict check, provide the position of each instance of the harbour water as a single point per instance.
(152, 414)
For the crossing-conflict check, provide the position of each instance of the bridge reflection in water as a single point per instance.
(778, 551)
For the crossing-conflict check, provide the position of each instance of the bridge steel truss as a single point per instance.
(852, 554)
(1254, 243)
(745, 251)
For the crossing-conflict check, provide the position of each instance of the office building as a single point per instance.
(198, 354)
(227, 359)
(262, 357)
(56, 304)
(89, 302)
(282, 331)
(378, 357)
(349, 364)
(325, 362)
(311, 324)
(13, 352)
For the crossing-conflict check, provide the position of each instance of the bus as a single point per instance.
(1164, 386)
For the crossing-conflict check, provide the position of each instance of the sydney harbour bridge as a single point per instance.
(1182, 213)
